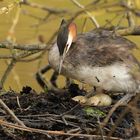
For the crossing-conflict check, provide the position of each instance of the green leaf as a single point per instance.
(94, 112)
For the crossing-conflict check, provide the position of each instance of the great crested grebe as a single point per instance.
(98, 58)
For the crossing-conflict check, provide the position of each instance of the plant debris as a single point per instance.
(57, 112)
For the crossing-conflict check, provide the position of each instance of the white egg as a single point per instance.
(99, 100)
(80, 99)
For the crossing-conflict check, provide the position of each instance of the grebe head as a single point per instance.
(66, 35)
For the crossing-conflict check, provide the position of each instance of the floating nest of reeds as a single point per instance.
(55, 116)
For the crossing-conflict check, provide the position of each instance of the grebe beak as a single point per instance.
(60, 64)
(72, 32)
(66, 49)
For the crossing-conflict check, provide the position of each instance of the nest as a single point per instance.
(53, 115)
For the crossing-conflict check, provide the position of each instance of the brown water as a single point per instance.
(26, 33)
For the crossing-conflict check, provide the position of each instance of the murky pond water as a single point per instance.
(29, 28)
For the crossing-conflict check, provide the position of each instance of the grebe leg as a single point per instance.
(42, 81)
(52, 83)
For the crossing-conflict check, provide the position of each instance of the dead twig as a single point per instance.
(122, 101)
(130, 29)
(11, 33)
(100, 128)
(11, 113)
(130, 7)
(25, 47)
(48, 133)
(87, 12)
(7, 71)
(45, 8)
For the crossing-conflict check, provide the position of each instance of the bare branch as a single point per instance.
(129, 7)
(45, 8)
(11, 113)
(87, 12)
(6, 73)
(24, 47)
(10, 36)
(48, 133)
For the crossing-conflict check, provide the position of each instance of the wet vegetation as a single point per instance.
(56, 116)
(43, 110)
